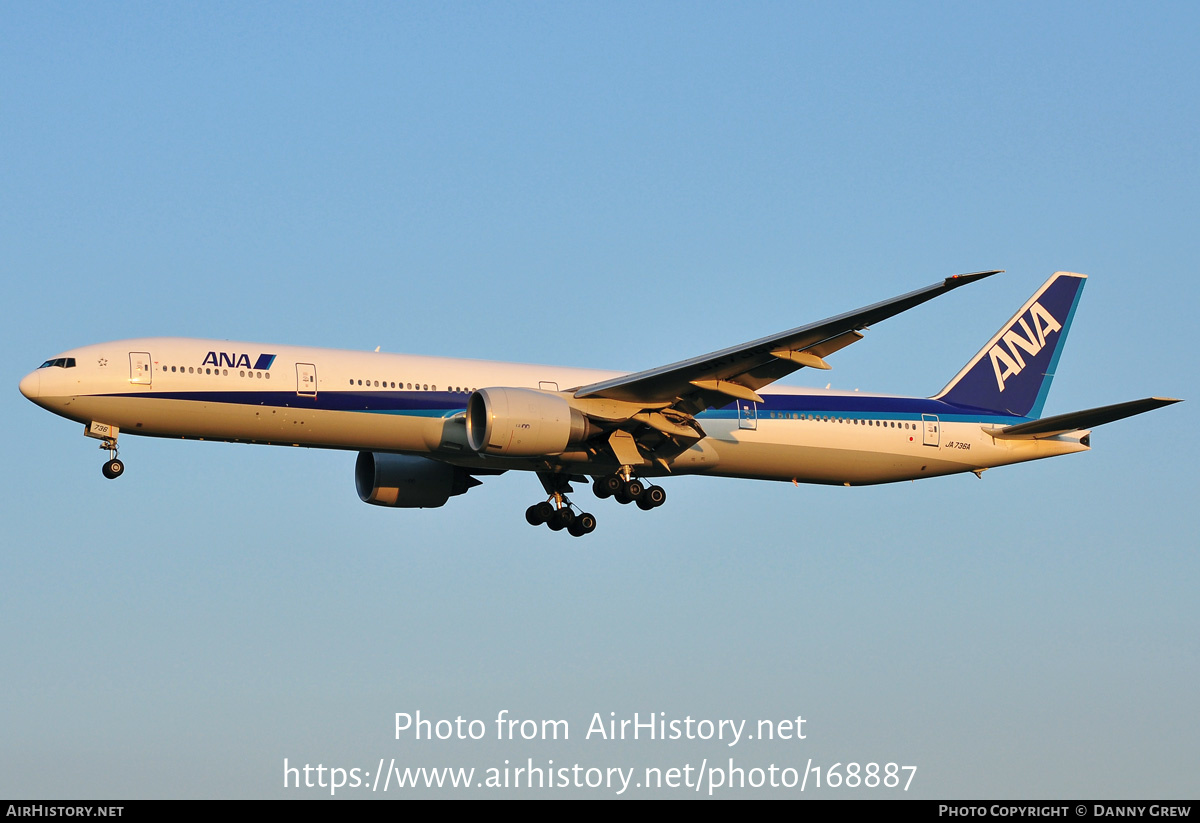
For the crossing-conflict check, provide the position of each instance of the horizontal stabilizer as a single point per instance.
(1075, 421)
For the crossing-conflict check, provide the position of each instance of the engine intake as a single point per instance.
(402, 481)
(523, 423)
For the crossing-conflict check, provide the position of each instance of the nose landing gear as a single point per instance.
(107, 435)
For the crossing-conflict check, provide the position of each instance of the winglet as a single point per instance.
(956, 280)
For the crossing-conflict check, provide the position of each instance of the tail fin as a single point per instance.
(1012, 373)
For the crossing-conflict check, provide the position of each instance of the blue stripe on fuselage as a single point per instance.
(863, 407)
(447, 404)
(417, 403)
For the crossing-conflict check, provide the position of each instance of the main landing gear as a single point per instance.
(558, 512)
(627, 489)
(559, 515)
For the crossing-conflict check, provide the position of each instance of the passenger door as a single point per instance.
(747, 414)
(141, 368)
(306, 379)
(932, 435)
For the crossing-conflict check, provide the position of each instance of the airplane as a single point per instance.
(427, 428)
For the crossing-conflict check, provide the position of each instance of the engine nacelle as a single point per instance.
(401, 481)
(523, 423)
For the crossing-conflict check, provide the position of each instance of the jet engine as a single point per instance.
(405, 482)
(524, 423)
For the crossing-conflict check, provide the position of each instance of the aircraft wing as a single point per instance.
(716, 379)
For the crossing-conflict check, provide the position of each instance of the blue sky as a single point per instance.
(617, 186)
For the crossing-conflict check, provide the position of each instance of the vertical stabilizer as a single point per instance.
(1012, 373)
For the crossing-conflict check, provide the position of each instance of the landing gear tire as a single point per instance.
(583, 524)
(630, 491)
(652, 498)
(605, 487)
(112, 469)
(562, 519)
(539, 513)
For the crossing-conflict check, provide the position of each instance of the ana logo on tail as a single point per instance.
(1009, 363)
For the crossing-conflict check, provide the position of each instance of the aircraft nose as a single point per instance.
(31, 385)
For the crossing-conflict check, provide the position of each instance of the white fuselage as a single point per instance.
(376, 402)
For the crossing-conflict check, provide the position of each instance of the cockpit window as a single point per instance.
(61, 362)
